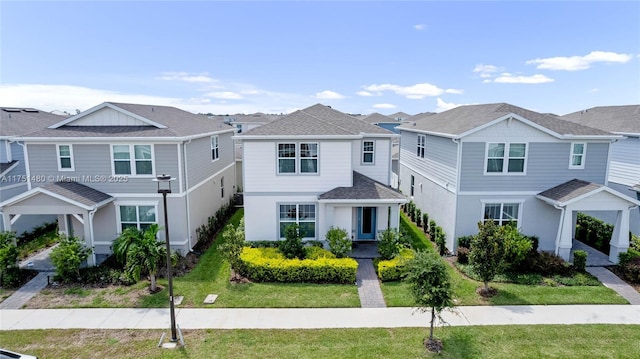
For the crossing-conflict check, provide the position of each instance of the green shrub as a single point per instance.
(578, 279)
(269, 265)
(579, 260)
(389, 243)
(231, 245)
(396, 268)
(67, 258)
(628, 256)
(292, 246)
(263, 244)
(418, 217)
(631, 270)
(440, 239)
(432, 230)
(516, 248)
(594, 232)
(465, 241)
(314, 243)
(8, 258)
(425, 222)
(634, 242)
(549, 264)
(463, 255)
(339, 241)
(412, 237)
(315, 252)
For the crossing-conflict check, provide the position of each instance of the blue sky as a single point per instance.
(357, 56)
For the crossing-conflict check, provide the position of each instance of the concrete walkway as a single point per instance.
(369, 285)
(612, 281)
(299, 318)
(40, 262)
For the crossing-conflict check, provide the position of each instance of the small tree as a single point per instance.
(8, 257)
(487, 252)
(430, 286)
(292, 246)
(68, 256)
(425, 222)
(231, 246)
(339, 241)
(389, 243)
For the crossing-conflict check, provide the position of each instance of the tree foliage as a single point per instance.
(487, 251)
(292, 246)
(389, 243)
(231, 246)
(68, 256)
(339, 241)
(8, 256)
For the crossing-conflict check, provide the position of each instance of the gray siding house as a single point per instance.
(96, 172)
(507, 164)
(16, 122)
(624, 160)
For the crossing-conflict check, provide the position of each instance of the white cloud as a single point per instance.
(593, 90)
(486, 71)
(186, 77)
(454, 91)
(576, 63)
(224, 95)
(420, 27)
(365, 93)
(444, 106)
(416, 92)
(384, 105)
(507, 78)
(329, 95)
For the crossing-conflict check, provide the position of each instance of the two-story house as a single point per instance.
(96, 172)
(16, 122)
(624, 160)
(318, 167)
(514, 166)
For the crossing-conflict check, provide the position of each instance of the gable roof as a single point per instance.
(576, 189)
(616, 119)
(464, 120)
(17, 121)
(364, 188)
(376, 118)
(154, 121)
(71, 192)
(316, 120)
(401, 115)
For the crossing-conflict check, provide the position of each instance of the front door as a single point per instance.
(367, 223)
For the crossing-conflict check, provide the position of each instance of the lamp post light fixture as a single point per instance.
(164, 187)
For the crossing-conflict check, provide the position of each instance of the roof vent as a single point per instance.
(31, 110)
(11, 109)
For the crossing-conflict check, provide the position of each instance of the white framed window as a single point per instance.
(215, 148)
(136, 160)
(137, 216)
(65, 157)
(501, 213)
(422, 142)
(222, 187)
(578, 153)
(508, 158)
(368, 152)
(413, 184)
(302, 214)
(298, 158)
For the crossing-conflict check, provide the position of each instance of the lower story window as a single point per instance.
(304, 215)
(140, 217)
(502, 213)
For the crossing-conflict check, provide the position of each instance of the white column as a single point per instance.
(87, 238)
(620, 237)
(6, 222)
(566, 240)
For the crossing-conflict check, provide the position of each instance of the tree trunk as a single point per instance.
(486, 287)
(433, 319)
(153, 286)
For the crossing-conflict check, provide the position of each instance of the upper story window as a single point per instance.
(422, 142)
(222, 187)
(413, 185)
(134, 160)
(297, 158)
(506, 157)
(502, 213)
(140, 217)
(578, 151)
(367, 151)
(215, 148)
(65, 157)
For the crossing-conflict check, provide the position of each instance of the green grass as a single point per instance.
(418, 239)
(532, 341)
(211, 276)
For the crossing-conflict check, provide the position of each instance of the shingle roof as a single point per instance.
(6, 165)
(376, 118)
(78, 192)
(364, 188)
(20, 121)
(462, 119)
(618, 119)
(400, 114)
(569, 190)
(179, 123)
(316, 120)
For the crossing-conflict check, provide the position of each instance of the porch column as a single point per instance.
(563, 248)
(394, 220)
(63, 224)
(620, 237)
(6, 222)
(87, 238)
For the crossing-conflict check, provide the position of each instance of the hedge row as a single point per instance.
(396, 268)
(269, 265)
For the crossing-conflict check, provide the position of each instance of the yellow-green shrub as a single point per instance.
(269, 265)
(396, 268)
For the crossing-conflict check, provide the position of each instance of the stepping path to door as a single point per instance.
(40, 262)
(612, 281)
(368, 285)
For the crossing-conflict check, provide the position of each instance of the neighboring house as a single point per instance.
(318, 167)
(624, 160)
(15, 122)
(96, 172)
(514, 166)
(390, 124)
(400, 116)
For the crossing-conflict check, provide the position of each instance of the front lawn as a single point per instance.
(531, 341)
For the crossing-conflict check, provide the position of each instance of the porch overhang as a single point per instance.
(578, 195)
(364, 190)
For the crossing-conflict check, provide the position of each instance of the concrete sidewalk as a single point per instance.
(298, 318)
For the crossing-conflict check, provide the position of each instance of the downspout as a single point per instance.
(25, 154)
(606, 176)
(558, 236)
(186, 192)
(457, 188)
(93, 251)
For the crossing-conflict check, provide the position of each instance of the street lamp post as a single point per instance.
(164, 187)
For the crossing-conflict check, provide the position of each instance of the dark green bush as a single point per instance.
(263, 244)
(440, 240)
(9, 271)
(339, 241)
(465, 241)
(292, 246)
(389, 243)
(516, 248)
(206, 233)
(432, 230)
(418, 217)
(425, 222)
(629, 255)
(463, 255)
(631, 270)
(579, 260)
(549, 264)
(594, 232)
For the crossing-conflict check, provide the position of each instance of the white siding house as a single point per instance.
(507, 164)
(318, 167)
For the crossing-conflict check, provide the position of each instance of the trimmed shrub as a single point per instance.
(396, 268)
(263, 244)
(594, 232)
(67, 258)
(629, 265)
(628, 256)
(580, 260)
(465, 241)
(425, 222)
(269, 265)
(432, 230)
(516, 248)
(441, 238)
(549, 264)
(292, 246)
(463, 255)
(339, 241)
(418, 217)
(315, 252)
(389, 243)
